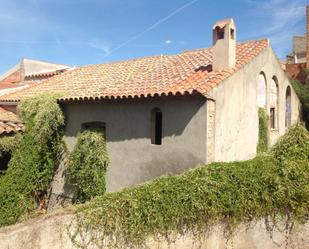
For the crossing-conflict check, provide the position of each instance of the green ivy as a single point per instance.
(9, 142)
(302, 91)
(273, 185)
(263, 131)
(87, 165)
(7, 145)
(33, 161)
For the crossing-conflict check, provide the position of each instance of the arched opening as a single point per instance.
(288, 107)
(261, 91)
(95, 125)
(219, 33)
(156, 126)
(5, 158)
(274, 103)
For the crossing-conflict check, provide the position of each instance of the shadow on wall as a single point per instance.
(131, 119)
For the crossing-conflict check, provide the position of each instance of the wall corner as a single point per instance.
(210, 130)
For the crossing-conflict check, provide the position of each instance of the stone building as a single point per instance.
(298, 60)
(165, 114)
(298, 54)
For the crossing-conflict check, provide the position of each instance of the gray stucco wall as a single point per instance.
(236, 117)
(133, 158)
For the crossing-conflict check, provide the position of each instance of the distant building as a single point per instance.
(298, 54)
(28, 72)
(23, 75)
(299, 58)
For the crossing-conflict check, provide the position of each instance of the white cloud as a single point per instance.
(168, 42)
(285, 14)
(102, 46)
(284, 18)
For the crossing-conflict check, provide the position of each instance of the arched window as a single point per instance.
(219, 33)
(288, 107)
(95, 125)
(261, 91)
(156, 126)
(274, 103)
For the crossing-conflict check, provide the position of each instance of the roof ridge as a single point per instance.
(151, 75)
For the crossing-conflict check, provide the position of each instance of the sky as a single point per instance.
(82, 32)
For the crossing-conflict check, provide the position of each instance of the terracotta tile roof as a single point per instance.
(185, 73)
(45, 74)
(9, 85)
(9, 122)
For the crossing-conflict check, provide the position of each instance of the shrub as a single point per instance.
(9, 142)
(272, 186)
(263, 130)
(32, 164)
(87, 165)
(302, 91)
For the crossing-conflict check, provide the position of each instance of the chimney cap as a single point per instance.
(222, 23)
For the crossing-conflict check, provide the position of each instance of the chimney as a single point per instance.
(224, 44)
(307, 37)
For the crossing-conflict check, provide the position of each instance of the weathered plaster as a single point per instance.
(133, 158)
(51, 232)
(236, 129)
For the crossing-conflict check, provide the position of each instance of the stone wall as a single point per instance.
(210, 139)
(50, 232)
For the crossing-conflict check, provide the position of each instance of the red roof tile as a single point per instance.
(7, 115)
(9, 122)
(185, 73)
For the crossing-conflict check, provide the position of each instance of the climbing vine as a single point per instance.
(273, 186)
(87, 165)
(7, 145)
(33, 161)
(263, 128)
(302, 90)
(9, 142)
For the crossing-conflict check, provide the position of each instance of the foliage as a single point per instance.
(7, 145)
(293, 146)
(273, 185)
(9, 142)
(87, 165)
(302, 91)
(32, 164)
(263, 128)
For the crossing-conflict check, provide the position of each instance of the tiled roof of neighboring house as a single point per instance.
(7, 88)
(28, 67)
(9, 122)
(44, 74)
(185, 73)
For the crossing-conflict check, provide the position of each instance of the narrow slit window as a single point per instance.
(272, 118)
(156, 126)
(232, 33)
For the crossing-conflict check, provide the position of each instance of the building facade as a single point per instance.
(166, 114)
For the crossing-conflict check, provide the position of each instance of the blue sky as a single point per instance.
(81, 32)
